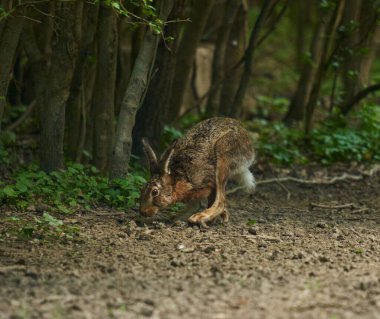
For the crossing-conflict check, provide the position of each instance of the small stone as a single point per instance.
(147, 312)
(179, 223)
(323, 259)
(180, 246)
(209, 249)
(252, 230)
(298, 255)
(177, 263)
(145, 237)
(158, 225)
(322, 225)
(149, 302)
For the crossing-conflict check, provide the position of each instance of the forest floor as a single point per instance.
(282, 255)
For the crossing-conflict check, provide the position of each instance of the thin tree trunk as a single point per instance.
(151, 116)
(124, 64)
(332, 28)
(56, 93)
(358, 66)
(186, 53)
(218, 63)
(104, 90)
(134, 96)
(248, 62)
(234, 53)
(77, 100)
(9, 41)
(296, 110)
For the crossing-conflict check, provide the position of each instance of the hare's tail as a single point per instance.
(244, 177)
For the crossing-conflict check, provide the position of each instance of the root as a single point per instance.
(333, 180)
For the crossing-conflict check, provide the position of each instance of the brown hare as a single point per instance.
(197, 166)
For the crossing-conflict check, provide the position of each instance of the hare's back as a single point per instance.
(195, 153)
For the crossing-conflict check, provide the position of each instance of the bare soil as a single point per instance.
(278, 257)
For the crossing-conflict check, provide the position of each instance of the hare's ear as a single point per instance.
(151, 156)
(166, 157)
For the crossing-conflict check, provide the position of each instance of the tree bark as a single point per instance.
(56, 93)
(186, 53)
(296, 110)
(83, 68)
(234, 53)
(219, 60)
(104, 90)
(9, 40)
(357, 67)
(248, 62)
(151, 116)
(327, 49)
(134, 96)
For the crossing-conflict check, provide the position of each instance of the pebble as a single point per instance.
(252, 230)
(209, 249)
(323, 259)
(146, 237)
(147, 312)
(177, 263)
(322, 225)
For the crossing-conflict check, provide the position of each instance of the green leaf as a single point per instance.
(9, 191)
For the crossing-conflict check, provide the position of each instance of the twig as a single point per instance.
(288, 194)
(345, 176)
(22, 118)
(360, 210)
(349, 205)
(295, 208)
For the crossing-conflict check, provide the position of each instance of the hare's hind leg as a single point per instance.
(218, 206)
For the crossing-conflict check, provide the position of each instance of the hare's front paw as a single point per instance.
(208, 215)
(199, 219)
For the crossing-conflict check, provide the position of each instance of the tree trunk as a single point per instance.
(218, 63)
(124, 63)
(327, 49)
(104, 90)
(296, 111)
(77, 101)
(134, 96)
(237, 105)
(186, 53)
(56, 93)
(151, 116)
(358, 65)
(234, 53)
(9, 40)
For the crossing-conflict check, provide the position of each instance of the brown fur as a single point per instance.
(198, 166)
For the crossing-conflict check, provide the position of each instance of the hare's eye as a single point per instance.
(154, 192)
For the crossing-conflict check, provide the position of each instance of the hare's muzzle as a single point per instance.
(148, 211)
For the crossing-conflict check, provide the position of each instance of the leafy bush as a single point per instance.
(40, 227)
(334, 140)
(67, 190)
(6, 139)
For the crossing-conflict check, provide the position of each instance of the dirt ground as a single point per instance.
(278, 257)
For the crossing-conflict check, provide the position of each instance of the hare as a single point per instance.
(197, 166)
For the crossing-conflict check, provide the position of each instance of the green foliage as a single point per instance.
(6, 139)
(279, 143)
(41, 227)
(66, 191)
(334, 140)
(148, 13)
(251, 222)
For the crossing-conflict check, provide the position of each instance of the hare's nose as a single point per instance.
(148, 211)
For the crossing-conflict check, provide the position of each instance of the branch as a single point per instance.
(333, 180)
(22, 118)
(358, 97)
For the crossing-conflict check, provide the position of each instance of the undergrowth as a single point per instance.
(336, 139)
(67, 190)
